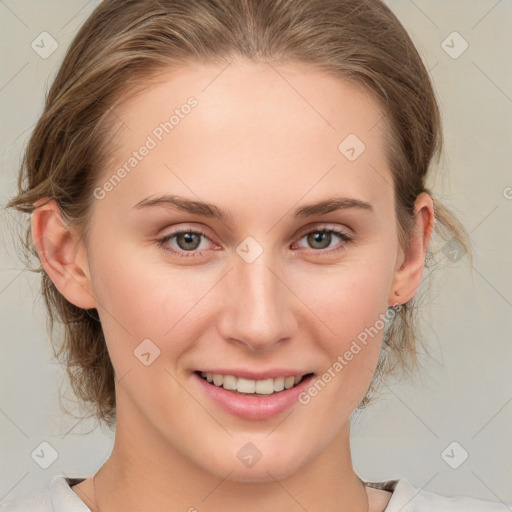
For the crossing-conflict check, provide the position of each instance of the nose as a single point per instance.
(258, 307)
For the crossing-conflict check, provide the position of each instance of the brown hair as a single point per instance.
(123, 44)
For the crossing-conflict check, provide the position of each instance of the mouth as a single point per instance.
(249, 387)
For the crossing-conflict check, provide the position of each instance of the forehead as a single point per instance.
(256, 128)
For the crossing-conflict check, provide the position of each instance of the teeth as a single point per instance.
(229, 382)
(279, 384)
(289, 382)
(261, 387)
(246, 385)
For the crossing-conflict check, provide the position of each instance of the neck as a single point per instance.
(143, 472)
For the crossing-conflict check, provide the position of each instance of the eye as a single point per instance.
(320, 239)
(187, 242)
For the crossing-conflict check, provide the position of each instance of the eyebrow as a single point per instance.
(210, 210)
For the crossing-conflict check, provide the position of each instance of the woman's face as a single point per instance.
(260, 290)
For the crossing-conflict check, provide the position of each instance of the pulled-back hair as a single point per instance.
(125, 43)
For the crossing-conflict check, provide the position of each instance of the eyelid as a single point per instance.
(323, 226)
(190, 228)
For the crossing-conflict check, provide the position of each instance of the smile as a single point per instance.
(251, 387)
(251, 399)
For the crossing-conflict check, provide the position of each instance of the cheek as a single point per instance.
(354, 309)
(348, 300)
(351, 304)
(139, 300)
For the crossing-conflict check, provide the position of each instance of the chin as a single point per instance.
(246, 463)
(261, 472)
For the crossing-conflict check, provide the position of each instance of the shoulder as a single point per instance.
(406, 498)
(58, 497)
(36, 501)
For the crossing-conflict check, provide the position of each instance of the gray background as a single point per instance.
(464, 393)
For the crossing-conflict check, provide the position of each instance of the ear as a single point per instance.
(411, 262)
(62, 255)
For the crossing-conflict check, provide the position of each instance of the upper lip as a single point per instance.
(244, 373)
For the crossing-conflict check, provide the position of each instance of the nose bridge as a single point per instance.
(257, 310)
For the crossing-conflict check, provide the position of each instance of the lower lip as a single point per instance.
(253, 407)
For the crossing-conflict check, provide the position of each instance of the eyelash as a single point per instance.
(192, 254)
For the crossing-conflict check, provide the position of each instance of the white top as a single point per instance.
(59, 497)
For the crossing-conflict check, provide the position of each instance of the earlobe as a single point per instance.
(61, 254)
(409, 272)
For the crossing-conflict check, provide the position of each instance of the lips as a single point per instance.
(251, 406)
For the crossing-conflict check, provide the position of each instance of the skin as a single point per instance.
(258, 148)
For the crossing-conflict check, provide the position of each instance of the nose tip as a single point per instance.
(257, 313)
